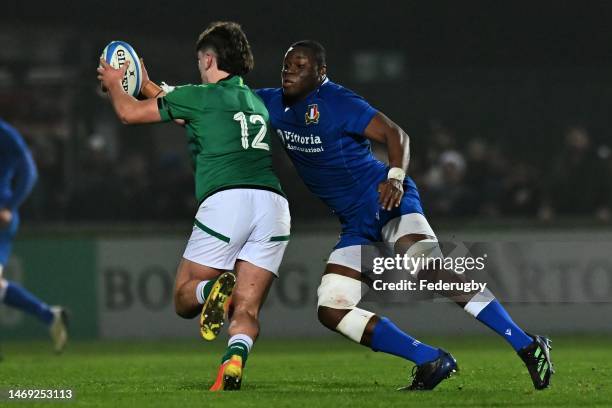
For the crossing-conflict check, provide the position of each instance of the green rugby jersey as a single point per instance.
(228, 134)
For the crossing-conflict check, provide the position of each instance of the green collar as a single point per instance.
(232, 79)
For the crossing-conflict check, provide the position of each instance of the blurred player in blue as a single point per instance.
(326, 131)
(17, 178)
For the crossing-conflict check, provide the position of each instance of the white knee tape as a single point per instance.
(427, 249)
(354, 323)
(339, 292)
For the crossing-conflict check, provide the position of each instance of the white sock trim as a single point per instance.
(243, 338)
(200, 291)
(479, 302)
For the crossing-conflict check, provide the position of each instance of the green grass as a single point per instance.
(332, 373)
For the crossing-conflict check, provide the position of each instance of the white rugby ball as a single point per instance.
(117, 53)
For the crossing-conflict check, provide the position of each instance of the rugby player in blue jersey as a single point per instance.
(17, 178)
(326, 131)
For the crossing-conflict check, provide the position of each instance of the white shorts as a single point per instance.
(248, 224)
(396, 228)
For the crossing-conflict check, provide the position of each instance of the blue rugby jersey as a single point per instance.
(17, 169)
(323, 136)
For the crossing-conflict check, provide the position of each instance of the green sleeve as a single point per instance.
(184, 102)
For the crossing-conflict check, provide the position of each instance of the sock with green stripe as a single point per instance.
(203, 290)
(238, 344)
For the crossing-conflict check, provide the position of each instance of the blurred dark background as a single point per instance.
(507, 105)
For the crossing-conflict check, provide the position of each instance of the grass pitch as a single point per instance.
(330, 373)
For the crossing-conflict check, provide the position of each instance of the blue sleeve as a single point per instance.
(24, 170)
(265, 94)
(353, 112)
(25, 179)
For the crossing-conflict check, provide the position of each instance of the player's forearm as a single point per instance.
(125, 105)
(381, 129)
(398, 147)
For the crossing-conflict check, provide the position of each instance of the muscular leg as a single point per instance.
(250, 291)
(330, 317)
(18, 297)
(252, 286)
(483, 306)
(403, 245)
(188, 276)
(339, 293)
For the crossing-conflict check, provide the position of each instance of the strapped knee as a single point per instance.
(343, 293)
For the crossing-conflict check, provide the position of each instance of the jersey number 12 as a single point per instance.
(244, 131)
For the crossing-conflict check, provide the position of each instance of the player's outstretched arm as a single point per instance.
(128, 109)
(151, 90)
(384, 130)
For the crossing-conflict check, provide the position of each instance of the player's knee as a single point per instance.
(339, 292)
(420, 246)
(337, 296)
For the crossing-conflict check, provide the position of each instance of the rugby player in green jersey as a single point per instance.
(243, 221)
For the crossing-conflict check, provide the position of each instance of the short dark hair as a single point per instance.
(229, 43)
(317, 49)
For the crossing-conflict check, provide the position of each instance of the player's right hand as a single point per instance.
(6, 216)
(109, 76)
(391, 192)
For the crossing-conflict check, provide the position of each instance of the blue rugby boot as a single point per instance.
(428, 375)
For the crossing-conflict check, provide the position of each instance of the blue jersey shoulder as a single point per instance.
(351, 110)
(11, 141)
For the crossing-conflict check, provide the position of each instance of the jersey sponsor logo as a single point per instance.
(300, 143)
(312, 114)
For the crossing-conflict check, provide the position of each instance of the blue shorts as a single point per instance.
(7, 235)
(364, 225)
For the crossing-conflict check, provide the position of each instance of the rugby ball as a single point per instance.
(117, 53)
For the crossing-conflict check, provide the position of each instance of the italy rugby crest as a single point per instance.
(312, 114)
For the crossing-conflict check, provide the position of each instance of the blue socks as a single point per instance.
(388, 338)
(18, 297)
(496, 318)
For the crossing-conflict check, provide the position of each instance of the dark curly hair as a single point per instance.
(227, 40)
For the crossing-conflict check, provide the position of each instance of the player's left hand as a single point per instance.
(6, 216)
(391, 192)
(108, 75)
(145, 74)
